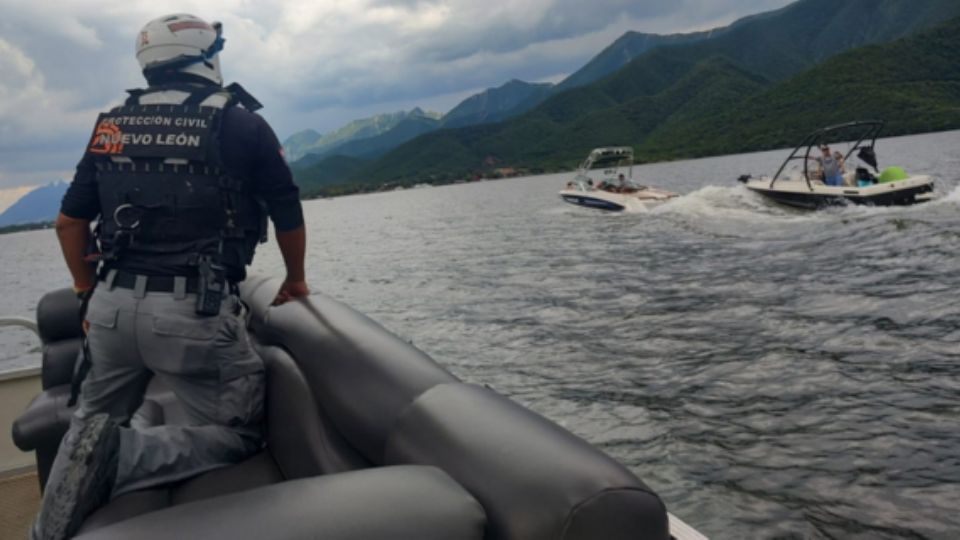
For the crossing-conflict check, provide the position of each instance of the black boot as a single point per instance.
(85, 483)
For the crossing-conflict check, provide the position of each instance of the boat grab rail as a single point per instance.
(22, 322)
(21, 372)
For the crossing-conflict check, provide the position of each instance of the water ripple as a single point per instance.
(771, 373)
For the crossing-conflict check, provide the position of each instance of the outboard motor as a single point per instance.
(744, 178)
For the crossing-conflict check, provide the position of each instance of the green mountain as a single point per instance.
(309, 141)
(520, 98)
(913, 84)
(775, 44)
(296, 144)
(558, 134)
(689, 100)
(620, 53)
(805, 33)
(320, 178)
(494, 104)
(415, 124)
(626, 48)
(374, 136)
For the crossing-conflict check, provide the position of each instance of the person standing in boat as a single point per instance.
(841, 166)
(830, 168)
(182, 178)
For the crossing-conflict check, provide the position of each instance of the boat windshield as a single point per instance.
(606, 166)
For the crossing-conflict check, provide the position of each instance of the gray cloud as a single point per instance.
(314, 64)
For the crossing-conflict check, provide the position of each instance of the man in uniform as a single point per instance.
(181, 178)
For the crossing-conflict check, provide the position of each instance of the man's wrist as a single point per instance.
(82, 292)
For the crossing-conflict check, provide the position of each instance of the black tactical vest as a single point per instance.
(165, 198)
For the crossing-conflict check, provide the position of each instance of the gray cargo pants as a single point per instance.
(209, 364)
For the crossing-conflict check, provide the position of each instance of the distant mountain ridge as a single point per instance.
(778, 43)
(633, 44)
(39, 205)
(495, 104)
(741, 61)
(310, 141)
(409, 128)
(414, 124)
(659, 99)
(622, 51)
(913, 84)
(11, 195)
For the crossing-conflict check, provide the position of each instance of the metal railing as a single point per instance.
(21, 322)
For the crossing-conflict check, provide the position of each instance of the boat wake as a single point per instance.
(952, 197)
(730, 202)
(737, 203)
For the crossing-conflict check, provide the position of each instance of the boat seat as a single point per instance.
(255, 472)
(46, 419)
(295, 436)
(409, 502)
(41, 426)
(367, 437)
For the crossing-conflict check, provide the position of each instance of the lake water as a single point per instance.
(770, 373)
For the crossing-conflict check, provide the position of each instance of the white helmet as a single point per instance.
(180, 43)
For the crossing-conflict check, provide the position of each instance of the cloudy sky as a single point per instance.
(313, 63)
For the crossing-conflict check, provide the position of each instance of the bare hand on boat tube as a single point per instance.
(293, 246)
(290, 290)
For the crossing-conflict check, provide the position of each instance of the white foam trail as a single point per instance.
(953, 197)
(636, 209)
(739, 203)
(731, 202)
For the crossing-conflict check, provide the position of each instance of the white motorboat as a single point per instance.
(805, 186)
(605, 181)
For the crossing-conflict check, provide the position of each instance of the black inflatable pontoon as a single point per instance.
(368, 438)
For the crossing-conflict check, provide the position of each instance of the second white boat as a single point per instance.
(605, 181)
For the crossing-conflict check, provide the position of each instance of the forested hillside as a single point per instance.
(715, 96)
(913, 84)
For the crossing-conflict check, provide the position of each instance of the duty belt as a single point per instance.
(127, 280)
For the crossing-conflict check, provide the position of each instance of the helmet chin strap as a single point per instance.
(217, 44)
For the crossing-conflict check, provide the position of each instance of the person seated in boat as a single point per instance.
(613, 186)
(628, 186)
